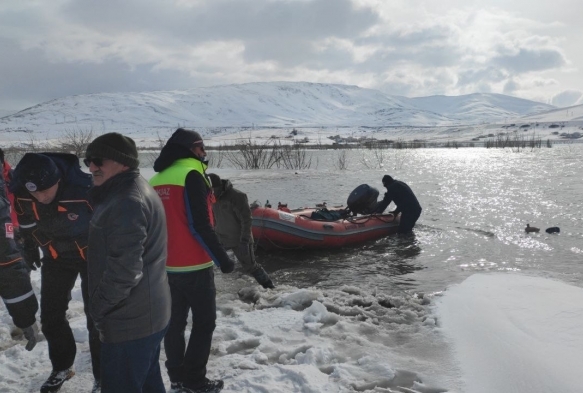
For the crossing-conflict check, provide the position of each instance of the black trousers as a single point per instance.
(408, 220)
(17, 293)
(192, 291)
(57, 281)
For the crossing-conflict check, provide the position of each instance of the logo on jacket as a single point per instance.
(30, 186)
(9, 230)
(163, 191)
(72, 216)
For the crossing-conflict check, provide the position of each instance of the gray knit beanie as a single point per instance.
(116, 147)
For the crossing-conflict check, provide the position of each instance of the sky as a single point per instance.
(403, 47)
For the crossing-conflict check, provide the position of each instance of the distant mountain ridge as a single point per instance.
(265, 104)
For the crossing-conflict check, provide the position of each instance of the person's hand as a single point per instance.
(31, 256)
(227, 266)
(31, 334)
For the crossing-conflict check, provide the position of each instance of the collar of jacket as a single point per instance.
(191, 162)
(226, 186)
(99, 193)
(196, 164)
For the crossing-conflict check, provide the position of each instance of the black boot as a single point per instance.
(262, 278)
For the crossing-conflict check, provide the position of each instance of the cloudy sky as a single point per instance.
(525, 48)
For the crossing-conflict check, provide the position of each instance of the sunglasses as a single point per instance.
(196, 144)
(98, 162)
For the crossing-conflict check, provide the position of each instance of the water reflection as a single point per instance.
(375, 264)
(476, 203)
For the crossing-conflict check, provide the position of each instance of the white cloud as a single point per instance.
(401, 47)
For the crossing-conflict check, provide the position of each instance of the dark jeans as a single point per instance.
(190, 291)
(408, 220)
(57, 281)
(133, 366)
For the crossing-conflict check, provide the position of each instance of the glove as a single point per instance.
(227, 266)
(31, 255)
(31, 334)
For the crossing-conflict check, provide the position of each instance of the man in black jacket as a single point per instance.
(128, 285)
(233, 227)
(405, 201)
(15, 288)
(50, 199)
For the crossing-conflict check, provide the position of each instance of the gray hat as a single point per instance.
(185, 138)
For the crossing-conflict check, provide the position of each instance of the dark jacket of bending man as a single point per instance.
(405, 201)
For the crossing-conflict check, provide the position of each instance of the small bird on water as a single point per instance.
(531, 229)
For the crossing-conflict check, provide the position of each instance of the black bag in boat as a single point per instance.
(328, 215)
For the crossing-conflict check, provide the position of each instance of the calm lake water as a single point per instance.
(476, 203)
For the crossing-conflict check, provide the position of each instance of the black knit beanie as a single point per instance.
(116, 147)
(387, 180)
(36, 172)
(185, 138)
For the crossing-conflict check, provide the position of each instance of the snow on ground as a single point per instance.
(492, 333)
(514, 333)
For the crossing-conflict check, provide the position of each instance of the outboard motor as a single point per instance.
(363, 200)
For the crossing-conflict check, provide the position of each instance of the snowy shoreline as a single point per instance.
(492, 332)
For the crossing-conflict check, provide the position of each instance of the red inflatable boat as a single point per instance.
(277, 229)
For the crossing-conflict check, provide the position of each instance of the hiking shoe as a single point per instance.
(56, 380)
(96, 387)
(210, 386)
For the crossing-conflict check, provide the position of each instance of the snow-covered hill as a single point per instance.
(480, 108)
(229, 108)
(569, 114)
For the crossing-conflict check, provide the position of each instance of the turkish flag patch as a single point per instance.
(9, 230)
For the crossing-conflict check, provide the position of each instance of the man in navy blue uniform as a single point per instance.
(50, 199)
(405, 201)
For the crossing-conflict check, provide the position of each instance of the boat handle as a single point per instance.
(328, 226)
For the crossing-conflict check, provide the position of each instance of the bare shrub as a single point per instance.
(293, 157)
(216, 156)
(33, 145)
(341, 156)
(76, 141)
(253, 155)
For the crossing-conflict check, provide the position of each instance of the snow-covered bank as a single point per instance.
(514, 333)
(509, 333)
(285, 340)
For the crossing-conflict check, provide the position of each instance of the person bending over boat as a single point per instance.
(233, 227)
(405, 201)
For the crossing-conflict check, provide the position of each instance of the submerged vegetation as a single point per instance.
(293, 154)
